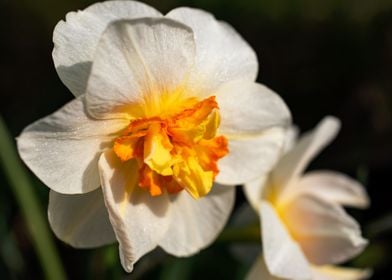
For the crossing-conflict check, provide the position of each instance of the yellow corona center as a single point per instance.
(175, 152)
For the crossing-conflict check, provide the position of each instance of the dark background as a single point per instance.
(322, 57)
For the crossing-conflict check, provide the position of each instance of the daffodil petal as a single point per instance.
(250, 108)
(326, 233)
(76, 38)
(291, 138)
(296, 160)
(80, 220)
(196, 223)
(330, 272)
(222, 54)
(282, 254)
(62, 149)
(253, 191)
(259, 271)
(157, 149)
(191, 176)
(136, 63)
(139, 220)
(250, 157)
(335, 187)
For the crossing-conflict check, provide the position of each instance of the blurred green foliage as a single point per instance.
(31, 210)
(322, 57)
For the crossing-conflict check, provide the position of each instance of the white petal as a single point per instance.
(62, 149)
(339, 273)
(259, 271)
(139, 220)
(335, 187)
(222, 54)
(282, 254)
(326, 233)
(80, 220)
(250, 157)
(295, 161)
(76, 38)
(253, 191)
(196, 223)
(136, 62)
(250, 108)
(291, 138)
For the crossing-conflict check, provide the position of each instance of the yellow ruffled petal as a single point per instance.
(211, 125)
(192, 177)
(157, 148)
(200, 121)
(176, 152)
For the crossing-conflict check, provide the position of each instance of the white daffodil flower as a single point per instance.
(260, 271)
(165, 106)
(304, 228)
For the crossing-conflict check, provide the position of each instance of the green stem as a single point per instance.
(29, 205)
(247, 234)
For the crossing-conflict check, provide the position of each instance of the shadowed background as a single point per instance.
(322, 57)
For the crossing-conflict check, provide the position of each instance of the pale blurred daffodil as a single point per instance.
(305, 230)
(165, 106)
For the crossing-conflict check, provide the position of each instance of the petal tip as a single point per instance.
(331, 123)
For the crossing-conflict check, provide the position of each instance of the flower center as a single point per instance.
(176, 152)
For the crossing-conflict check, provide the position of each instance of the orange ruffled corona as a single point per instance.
(176, 152)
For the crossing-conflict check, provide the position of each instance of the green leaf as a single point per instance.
(27, 200)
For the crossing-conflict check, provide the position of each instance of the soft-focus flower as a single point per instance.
(164, 106)
(304, 228)
(260, 271)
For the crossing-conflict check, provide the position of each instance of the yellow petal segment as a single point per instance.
(191, 176)
(125, 147)
(176, 152)
(157, 150)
